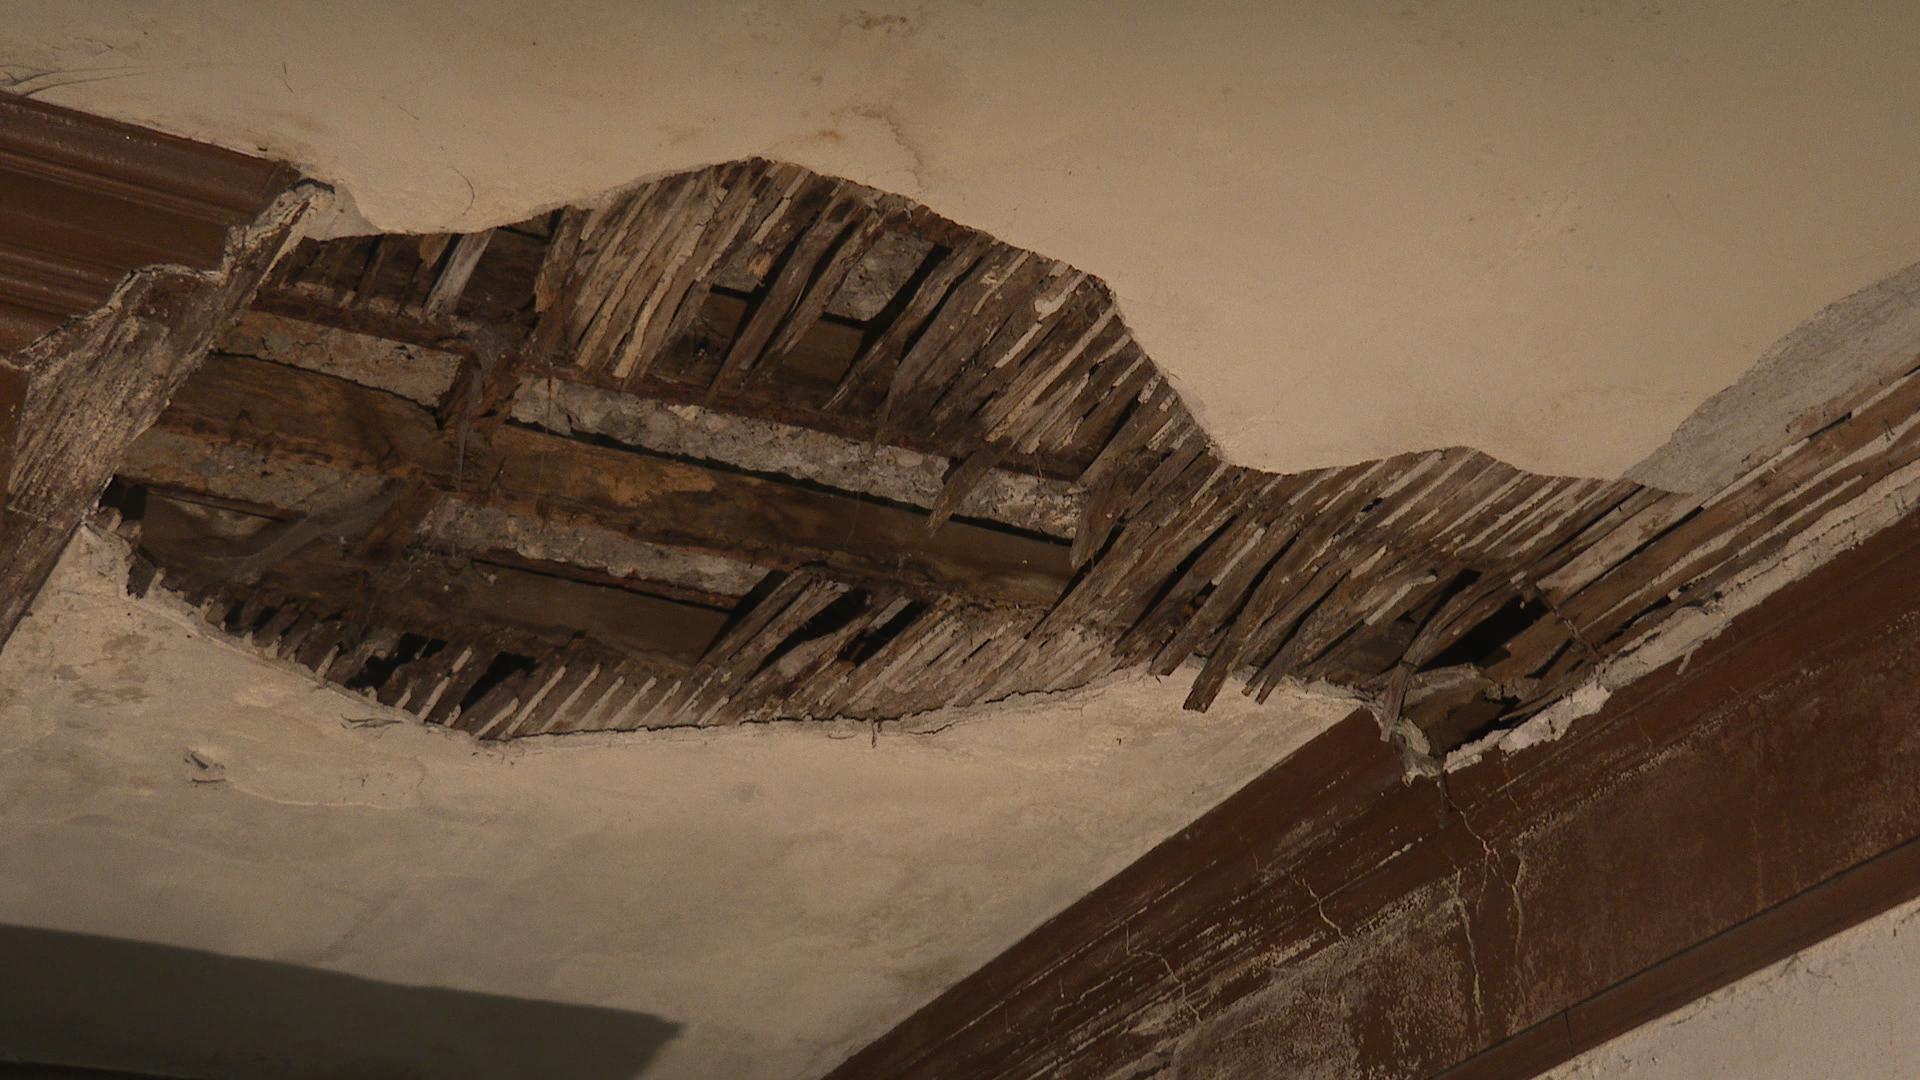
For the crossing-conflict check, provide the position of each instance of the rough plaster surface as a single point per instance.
(1804, 382)
(1819, 532)
(1843, 1008)
(1544, 230)
(782, 893)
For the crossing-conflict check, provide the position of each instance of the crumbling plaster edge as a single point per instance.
(108, 555)
(1676, 638)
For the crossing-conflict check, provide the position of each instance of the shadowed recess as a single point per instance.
(76, 1001)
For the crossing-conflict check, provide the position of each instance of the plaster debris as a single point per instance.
(203, 769)
(1676, 638)
(1544, 726)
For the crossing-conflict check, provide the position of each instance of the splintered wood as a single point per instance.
(1460, 592)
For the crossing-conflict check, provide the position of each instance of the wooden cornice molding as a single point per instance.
(123, 252)
(1333, 919)
(86, 201)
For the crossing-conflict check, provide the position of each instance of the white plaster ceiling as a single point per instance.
(774, 895)
(1547, 230)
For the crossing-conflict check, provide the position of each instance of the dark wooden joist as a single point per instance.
(147, 246)
(438, 596)
(1335, 919)
(764, 521)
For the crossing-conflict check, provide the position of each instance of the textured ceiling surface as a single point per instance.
(1346, 231)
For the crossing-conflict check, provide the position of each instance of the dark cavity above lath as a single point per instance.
(524, 381)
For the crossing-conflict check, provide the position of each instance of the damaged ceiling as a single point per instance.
(752, 902)
(749, 442)
(752, 443)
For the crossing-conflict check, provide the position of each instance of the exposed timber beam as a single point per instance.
(750, 443)
(440, 598)
(763, 521)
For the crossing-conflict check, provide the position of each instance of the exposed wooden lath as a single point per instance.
(1457, 591)
(635, 281)
(1496, 921)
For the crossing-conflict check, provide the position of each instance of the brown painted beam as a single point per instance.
(1842, 901)
(84, 201)
(764, 521)
(1333, 920)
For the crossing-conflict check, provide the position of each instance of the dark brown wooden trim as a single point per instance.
(139, 164)
(90, 350)
(1332, 919)
(84, 201)
(1843, 901)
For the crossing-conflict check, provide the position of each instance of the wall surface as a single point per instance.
(774, 895)
(1843, 1008)
(1544, 230)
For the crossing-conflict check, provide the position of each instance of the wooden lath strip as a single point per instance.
(447, 289)
(687, 288)
(1020, 345)
(873, 369)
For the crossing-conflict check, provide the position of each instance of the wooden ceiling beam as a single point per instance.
(809, 371)
(1336, 917)
(437, 596)
(682, 504)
